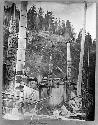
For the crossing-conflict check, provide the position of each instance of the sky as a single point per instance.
(73, 13)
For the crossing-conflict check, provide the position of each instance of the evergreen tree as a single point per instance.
(31, 18)
(59, 27)
(69, 31)
(40, 15)
(55, 26)
(63, 27)
(49, 20)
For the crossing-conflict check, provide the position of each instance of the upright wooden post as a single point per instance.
(81, 54)
(68, 71)
(20, 62)
(21, 44)
(11, 46)
(68, 41)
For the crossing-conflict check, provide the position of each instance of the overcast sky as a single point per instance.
(72, 12)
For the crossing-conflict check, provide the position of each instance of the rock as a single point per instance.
(56, 113)
(65, 112)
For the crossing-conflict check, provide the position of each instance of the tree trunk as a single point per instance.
(81, 54)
